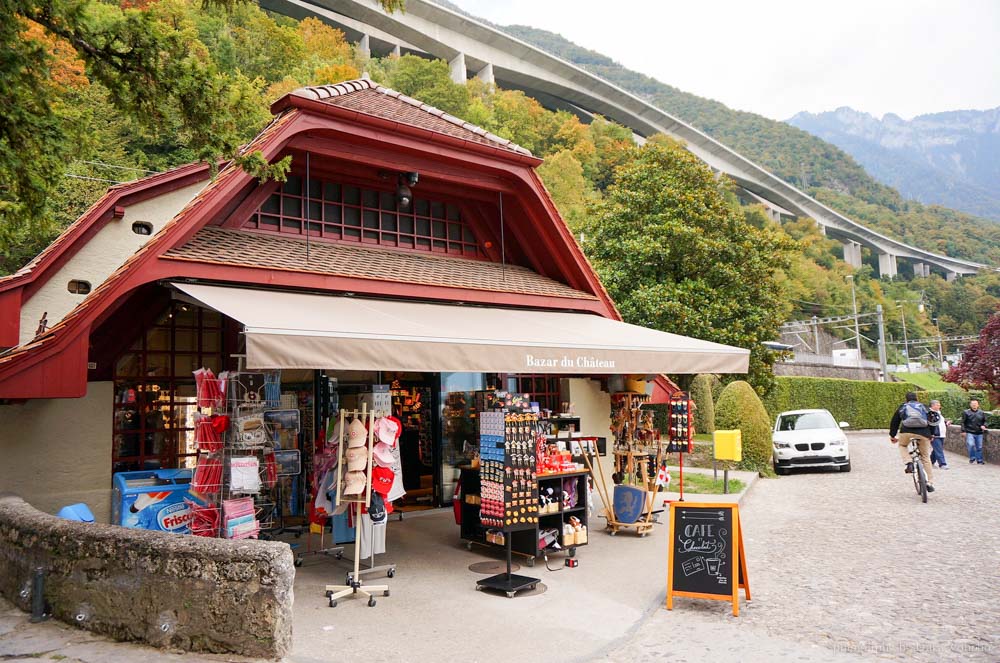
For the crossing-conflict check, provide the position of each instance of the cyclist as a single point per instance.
(912, 421)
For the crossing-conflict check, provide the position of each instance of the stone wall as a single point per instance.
(168, 590)
(825, 371)
(955, 443)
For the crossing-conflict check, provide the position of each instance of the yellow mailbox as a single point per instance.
(729, 445)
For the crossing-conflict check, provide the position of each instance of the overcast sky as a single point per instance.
(778, 57)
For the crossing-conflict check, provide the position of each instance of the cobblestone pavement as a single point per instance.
(852, 565)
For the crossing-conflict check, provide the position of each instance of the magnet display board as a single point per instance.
(706, 557)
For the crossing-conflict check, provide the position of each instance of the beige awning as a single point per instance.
(297, 330)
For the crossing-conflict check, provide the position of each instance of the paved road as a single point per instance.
(844, 566)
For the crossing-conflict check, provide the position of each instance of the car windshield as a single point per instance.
(806, 421)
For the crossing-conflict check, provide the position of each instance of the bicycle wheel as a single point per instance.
(921, 480)
(915, 475)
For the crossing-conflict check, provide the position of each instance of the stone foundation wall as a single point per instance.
(955, 443)
(825, 371)
(167, 590)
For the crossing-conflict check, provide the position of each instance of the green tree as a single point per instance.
(675, 256)
(430, 82)
(740, 407)
(570, 190)
(701, 394)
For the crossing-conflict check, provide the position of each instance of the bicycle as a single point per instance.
(919, 473)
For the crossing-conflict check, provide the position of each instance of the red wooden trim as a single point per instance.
(396, 154)
(63, 374)
(250, 203)
(10, 317)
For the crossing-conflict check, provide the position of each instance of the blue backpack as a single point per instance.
(913, 415)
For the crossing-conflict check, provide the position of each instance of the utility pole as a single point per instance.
(816, 334)
(857, 329)
(881, 344)
(906, 344)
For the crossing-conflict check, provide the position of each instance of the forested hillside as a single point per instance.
(819, 168)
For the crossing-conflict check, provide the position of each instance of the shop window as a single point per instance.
(142, 228)
(544, 389)
(78, 287)
(349, 213)
(154, 389)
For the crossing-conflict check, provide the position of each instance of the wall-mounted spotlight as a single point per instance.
(403, 194)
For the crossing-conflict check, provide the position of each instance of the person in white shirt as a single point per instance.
(940, 428)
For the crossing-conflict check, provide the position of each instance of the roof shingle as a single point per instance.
(250, 249)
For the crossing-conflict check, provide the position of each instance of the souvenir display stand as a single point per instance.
(638, 457)
(508, 485)
(236, 470)
(326, 458)
(354, 488)
(680, 438)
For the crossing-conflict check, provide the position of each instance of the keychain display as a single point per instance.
(680, 428)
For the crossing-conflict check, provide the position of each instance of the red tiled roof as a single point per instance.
(365, 96)
(250, 249)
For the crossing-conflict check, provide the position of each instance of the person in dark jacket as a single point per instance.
(911, 421)
(974, 425)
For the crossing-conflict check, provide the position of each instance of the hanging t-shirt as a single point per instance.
(372, 535)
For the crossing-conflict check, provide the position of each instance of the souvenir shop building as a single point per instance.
(406, 248)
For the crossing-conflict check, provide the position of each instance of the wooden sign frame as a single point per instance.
(741, 579)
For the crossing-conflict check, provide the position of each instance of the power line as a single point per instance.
(95, 179)
(111, 165)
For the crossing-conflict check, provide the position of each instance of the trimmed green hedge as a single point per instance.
(701, 394)
(860, 403)
(953, 403)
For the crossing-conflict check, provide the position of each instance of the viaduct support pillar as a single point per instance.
(951, 276)
(364, 48)
(887, 265)
(486, 75)
(459, 74)
(921, 269)
(852, 254)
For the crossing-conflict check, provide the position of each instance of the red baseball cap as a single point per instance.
(382, 478)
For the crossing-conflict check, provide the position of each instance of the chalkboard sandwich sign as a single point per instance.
(706, 559)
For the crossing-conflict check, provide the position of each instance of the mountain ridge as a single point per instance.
(949, 158)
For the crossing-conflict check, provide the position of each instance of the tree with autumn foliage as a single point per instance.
(675, 255)
(979, 367)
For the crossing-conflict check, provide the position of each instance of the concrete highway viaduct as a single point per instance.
(475, 49)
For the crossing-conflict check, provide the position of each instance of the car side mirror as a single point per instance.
(844, 424)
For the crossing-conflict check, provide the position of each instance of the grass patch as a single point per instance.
(930, 381)
(704, 484)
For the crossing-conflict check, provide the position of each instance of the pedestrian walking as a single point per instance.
(940, 428)
(974, 425)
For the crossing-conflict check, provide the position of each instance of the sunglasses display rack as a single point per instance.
(508, 485)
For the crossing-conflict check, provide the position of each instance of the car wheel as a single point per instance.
(846, 468)
(779, 470)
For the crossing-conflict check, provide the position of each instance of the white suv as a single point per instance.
(809, 438)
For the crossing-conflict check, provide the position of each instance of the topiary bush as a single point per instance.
(740, 407)
(701, 394)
